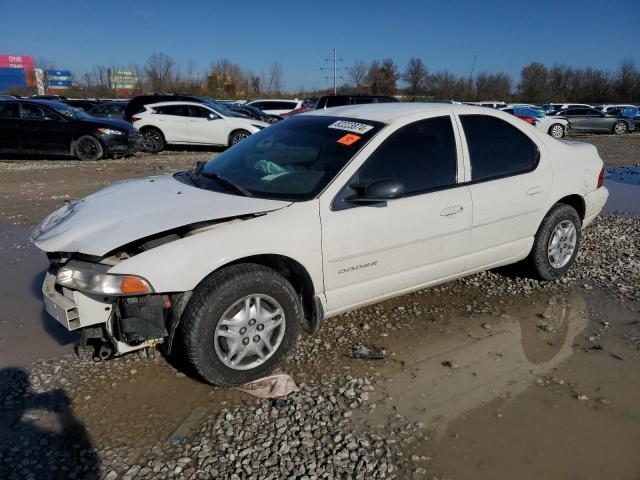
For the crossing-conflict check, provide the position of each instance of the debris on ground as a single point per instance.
(276, 385)
(450, 364)
(364, 352)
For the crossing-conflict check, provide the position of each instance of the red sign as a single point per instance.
(17, 61)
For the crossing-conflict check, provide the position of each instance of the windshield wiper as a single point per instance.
(199, 171)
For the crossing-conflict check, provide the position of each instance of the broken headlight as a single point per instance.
(102, 283)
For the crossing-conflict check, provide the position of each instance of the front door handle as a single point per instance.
(452, 210)
(534, 190)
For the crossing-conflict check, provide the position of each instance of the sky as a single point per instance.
(504, 35)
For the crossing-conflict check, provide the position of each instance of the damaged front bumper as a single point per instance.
(125, 324)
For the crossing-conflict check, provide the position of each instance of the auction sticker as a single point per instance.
(349, 139)
(354, 127)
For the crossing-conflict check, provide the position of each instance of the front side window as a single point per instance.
(422, 156)
(198, 112)
(293, 160)
(497, 148)
(7, 110)
(29, 111)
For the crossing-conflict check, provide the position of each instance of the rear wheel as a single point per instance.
(556, 243)
(88, 148)
(153, 140)
(238, 136)
(240, 324)
(620, 128)
(556, 131)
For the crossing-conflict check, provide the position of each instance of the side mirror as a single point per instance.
(378, 191)
(212, 116)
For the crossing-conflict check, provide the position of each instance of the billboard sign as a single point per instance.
(17, 61)
(11, 77)
(123, 79)
(58, 79)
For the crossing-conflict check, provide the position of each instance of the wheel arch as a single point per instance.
(74, 140)
(234, 130)
(620, 120)
(153, 127)
(576, 201)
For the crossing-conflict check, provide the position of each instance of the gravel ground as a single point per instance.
(312, 434)
(613, 149)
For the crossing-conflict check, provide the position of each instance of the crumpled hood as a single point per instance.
(134, 209)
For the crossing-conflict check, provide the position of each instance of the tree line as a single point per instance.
(227, 79)
(537, 83)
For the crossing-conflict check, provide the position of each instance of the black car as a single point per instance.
(253, 112)
(114, 109)
(53, 127)
(137, 104)
(329, 101)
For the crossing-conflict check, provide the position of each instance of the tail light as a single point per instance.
(530, 120)
(135, 119)
(601, 178)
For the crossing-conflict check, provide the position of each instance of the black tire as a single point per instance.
(538, 259)
(153, 140)
(620, 128)
(557, 131)
(212, 298)
(238, 136)
(88, 148)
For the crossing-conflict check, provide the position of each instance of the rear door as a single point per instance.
(206, 127)
(173, 120)
(510, 180)
(578, 118)
(9, 139)
(42, 130)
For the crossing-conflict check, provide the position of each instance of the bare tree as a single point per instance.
(534, 83)
(382, 77)
(160, 72)
(492, 86)
(358, 74)
(276, 76)
(416, 76)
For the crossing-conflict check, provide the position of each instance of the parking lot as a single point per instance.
(492, 376)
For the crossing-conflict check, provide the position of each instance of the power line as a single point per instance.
(333, 69)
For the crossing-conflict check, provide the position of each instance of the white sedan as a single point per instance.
(322, 213)
(191, 123)
(554, 126)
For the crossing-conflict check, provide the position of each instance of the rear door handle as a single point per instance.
(452, 210)
(534, 190)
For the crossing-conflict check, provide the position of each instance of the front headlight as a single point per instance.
(111, 131)
(102, 283)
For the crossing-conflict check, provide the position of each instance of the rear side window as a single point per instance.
(421, 155)
(497, 149)
(176, 110)
(34, 112)
(7, 110)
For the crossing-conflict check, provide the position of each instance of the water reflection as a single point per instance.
(624, 190)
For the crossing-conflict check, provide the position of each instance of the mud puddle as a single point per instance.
(543, 387)
(27, 333)
(624, 190)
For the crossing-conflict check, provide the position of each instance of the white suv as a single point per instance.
(319, 214)
(191, 123)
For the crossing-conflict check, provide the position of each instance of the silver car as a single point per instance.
(590, 120)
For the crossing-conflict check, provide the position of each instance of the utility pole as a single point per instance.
(334, 70)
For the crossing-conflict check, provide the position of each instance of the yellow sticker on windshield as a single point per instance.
(349, 139)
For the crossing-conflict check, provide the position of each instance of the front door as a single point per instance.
(43, 130)
(375, 251)
(510, 182)
(9, 139)
(206, 126)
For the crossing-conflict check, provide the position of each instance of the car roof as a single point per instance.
(46, 103)
(391, 112)
(176, 102)
(273, 100)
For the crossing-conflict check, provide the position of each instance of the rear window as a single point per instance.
(497, 148)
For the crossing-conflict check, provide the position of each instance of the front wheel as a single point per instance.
(238, 136)
(88, 148)
(620, 128)
(556, 131)
(240, 324)
(556, 243)
(153, 140)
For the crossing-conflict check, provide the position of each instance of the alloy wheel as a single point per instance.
(562, 244)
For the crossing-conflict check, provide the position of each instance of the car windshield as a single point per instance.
(70, 112)
(295, 159)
